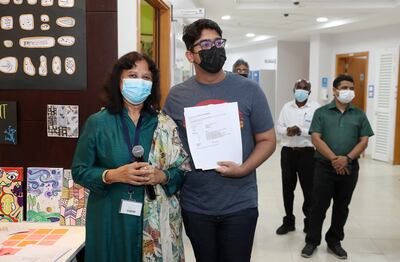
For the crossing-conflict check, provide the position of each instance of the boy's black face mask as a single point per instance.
(212, 60)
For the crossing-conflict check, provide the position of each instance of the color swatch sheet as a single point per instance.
(40, 237)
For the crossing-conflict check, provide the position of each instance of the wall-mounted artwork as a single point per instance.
(44, 192)
(8, 122)
(43, 45)
(11, 194)
(73, 202)
(63, 121)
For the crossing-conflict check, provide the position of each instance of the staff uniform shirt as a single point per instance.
(292, 115)
(340, 131)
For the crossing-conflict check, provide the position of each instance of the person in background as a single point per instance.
(118, 213)
(297, 154)
(241, 67)
(340, 133)
(219, 207)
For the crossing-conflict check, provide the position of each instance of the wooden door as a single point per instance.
(355, 65)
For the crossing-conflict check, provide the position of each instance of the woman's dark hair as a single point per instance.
(341, 78)
(192, 32)
(113, 96)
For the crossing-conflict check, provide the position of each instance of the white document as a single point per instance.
(214, 135)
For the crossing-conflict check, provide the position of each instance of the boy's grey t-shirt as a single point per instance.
(207, 192)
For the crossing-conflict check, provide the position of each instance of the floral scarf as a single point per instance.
(162, 221)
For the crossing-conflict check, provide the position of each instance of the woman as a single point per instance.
(122, 224)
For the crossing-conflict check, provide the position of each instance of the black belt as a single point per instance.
(305, 148)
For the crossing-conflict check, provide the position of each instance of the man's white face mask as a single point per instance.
(345, 96)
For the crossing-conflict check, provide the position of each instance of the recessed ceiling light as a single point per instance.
(226, 17)
(262, 37)
(322, 19)
(250, 35)
(337, 23)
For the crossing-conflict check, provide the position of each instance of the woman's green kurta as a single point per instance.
(111, 236)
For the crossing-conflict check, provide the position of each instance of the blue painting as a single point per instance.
(8, 122)
(44, 192)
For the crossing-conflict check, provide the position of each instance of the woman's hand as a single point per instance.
(155, 176)
(133, 173)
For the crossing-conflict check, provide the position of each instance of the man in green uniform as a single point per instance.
(340, 133)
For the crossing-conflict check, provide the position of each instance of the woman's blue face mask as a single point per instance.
(136, 90)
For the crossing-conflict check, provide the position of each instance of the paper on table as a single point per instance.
(5, 231)
(214, 134)
(41, 253)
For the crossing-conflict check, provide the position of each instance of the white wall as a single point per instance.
(254, 55)
(293, 64)
(320, 52)
(371, 41)
(367, 40)
(127, 26)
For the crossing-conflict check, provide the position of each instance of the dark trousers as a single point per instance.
(329, 185)
(221, 238)
(297, 162)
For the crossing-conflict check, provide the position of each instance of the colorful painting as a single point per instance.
(11, 194)
(63, 121)
(8, 122)
(73, 202)
(44, 191)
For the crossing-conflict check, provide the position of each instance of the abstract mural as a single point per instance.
(44, 192)
(11, 194)
(73, 202)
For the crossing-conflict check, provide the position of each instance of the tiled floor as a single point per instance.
(372, 230)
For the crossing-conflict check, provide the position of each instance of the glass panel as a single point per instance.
(182, 68)
(147, 21)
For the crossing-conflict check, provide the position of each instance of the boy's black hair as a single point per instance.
(192, 32)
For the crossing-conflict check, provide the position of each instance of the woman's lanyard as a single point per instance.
(125, 129)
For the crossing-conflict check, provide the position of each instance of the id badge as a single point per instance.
(130, 207)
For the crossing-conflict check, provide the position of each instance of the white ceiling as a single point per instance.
(266, 17)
